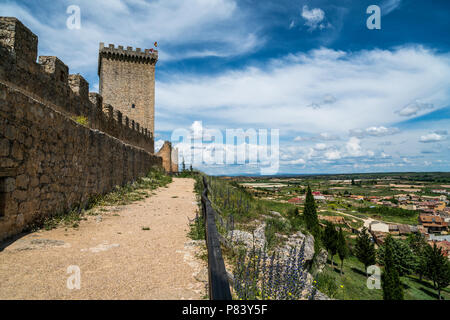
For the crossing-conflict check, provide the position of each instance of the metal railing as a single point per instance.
(219, 288)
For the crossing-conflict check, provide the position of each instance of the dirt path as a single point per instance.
(116, 257)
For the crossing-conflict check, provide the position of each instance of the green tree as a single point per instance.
(390, 278)
(353, 182)
(403, 258)
(330, 240)
(365, 249)
(342, 248)
(310, 213)
(419, 247)
(438, 268)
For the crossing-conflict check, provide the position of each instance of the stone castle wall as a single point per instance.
(49, 162)
(49, 82)
(132, 73)
(169, 157)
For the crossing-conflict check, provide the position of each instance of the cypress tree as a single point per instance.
(390, 279)
(330, 239)
(365, 249)
(342, 248)
(310, 213)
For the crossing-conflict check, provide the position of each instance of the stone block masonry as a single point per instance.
(50, 163)
(49, 82)
(169, 157)
(127, 81)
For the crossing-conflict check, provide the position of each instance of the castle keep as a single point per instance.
(132, 74)
(61, 144)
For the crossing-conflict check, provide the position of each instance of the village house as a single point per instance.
(433, 223)
(295, 200)
(333, 219)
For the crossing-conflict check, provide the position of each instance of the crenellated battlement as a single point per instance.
(151, 54)
(119, 53)
(49, 82)
(127, 82)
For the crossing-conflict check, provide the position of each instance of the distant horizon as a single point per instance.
(329, 174)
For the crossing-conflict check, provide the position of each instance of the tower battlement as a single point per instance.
(127, 81)
(120, 53)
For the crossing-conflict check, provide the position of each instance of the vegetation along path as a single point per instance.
(136, 251)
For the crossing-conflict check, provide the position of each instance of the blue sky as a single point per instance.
(345, 98)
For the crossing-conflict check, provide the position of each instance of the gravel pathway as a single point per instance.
(117, 256)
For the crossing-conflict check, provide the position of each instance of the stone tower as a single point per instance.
(127, 82)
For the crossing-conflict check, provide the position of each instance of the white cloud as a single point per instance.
(374, 132)
(414, 108)
(353, 147)
(431, 137)
(314, 18)
(333, 155)
(215, 28)
(298, 161)
(320, 146)
(368, 87)
(390, 5)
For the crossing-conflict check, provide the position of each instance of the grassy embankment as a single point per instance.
(354, 282)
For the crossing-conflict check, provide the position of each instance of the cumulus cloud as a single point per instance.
(333, 155)
(367, 85)
(216, 28)
(354, 149)
(314, 18)
(374, 132)
(296, 162)
(414, 108)
(320, 146)
(431, 137)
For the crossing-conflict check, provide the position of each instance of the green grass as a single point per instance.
(354, 284)
(388, 214)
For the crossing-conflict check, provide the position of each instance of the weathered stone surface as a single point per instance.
(240, 237)
(10, 185)
(46, 179)
(132, 72)
(256, 239)
(166, 152)
(4, 147)
(276, 214)
(57, 146)
(296, 241)
(22, 181)
(320, 260)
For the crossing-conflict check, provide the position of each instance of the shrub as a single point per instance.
(81, 120)
(326, 283)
